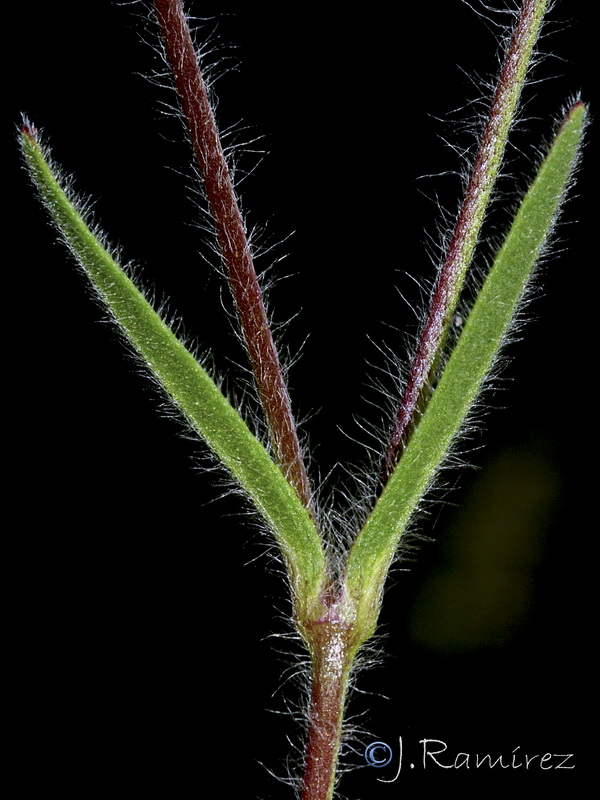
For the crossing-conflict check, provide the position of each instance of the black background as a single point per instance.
(142, 607)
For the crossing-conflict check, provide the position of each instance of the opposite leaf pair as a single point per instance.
(336, 606)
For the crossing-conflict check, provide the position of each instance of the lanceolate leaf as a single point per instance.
(194, 392)
(465, 373)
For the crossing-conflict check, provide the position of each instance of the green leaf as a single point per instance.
(191, 388)
(466, 371)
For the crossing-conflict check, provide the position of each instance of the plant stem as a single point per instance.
(233, 242)
(466, 232)
(332, 644)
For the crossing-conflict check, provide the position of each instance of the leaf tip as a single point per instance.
(576, 111)
(28, 129)
(28, 137)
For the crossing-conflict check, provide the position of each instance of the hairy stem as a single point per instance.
(233, 243)
(466, 232)
(332, 644)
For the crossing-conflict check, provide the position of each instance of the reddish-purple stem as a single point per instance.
(425, 362)
(332, 646)
(233, 243)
